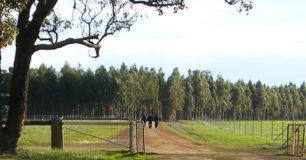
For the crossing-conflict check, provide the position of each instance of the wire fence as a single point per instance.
(90, 133)
(274, 130)
(110, 134)
(36, 136)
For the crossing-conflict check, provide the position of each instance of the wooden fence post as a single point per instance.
(133, 137)
(293, 139)
(143, 138)
(57, 140)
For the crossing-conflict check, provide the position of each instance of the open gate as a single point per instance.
(295, 139)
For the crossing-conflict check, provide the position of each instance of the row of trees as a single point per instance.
(131, 92)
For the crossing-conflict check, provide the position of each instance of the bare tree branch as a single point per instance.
(117, 15)
(82, 41)
(52, 26)
(46, 39)
(159, 3)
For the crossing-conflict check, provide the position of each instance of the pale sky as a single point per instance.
(269, 44)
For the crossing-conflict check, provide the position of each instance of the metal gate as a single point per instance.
(96, 133)
(295, 139)
(99, 133)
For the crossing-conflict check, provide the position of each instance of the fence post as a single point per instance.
(234, 125)
(293, 139)
(245, 129)
(272, 131)
(261, 128)
(57, 140)
(143, 138)
(288, 140)
(282, 131)
(253, 128)
(133, 137)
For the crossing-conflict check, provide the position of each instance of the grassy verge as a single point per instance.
(26, 154)
(201, 132)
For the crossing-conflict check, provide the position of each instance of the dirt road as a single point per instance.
(163, 141)
(169, 145)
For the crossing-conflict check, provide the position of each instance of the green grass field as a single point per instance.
(93, 154)
(203, 132)
(274, 130)
(41, 135)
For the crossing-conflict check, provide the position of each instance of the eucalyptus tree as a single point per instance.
(290, 110)
(201, 92)
(42, 94)
(33, 94)
(47, 88)
(149, 91)
(189, 100)
(275, 103)
(212, 106)
(175, 94)
(253, 97)
(162, 92)
(51, 87)
(134, 91)
(247, 109)
(87, 94)
(206, 93)
(144, 102)
(284, 112)
(302, 91)
(69, 85)
(262, 100)
(103, 82)
(223, 97)
(296, 102)
(237, 97)
(112, 90)
(122, 97)
(8, 28)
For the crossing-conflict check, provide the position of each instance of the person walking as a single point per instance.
(150, 119)
(156, 119)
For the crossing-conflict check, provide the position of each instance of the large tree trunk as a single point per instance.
(0, 92)
(10, 134)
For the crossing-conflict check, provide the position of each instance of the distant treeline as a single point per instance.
(131, 92)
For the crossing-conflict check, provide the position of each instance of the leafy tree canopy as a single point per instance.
(8, 27)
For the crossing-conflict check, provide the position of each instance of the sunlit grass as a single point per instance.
(201, 132)
(275, 130)
(41, 135)
(93, 154)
